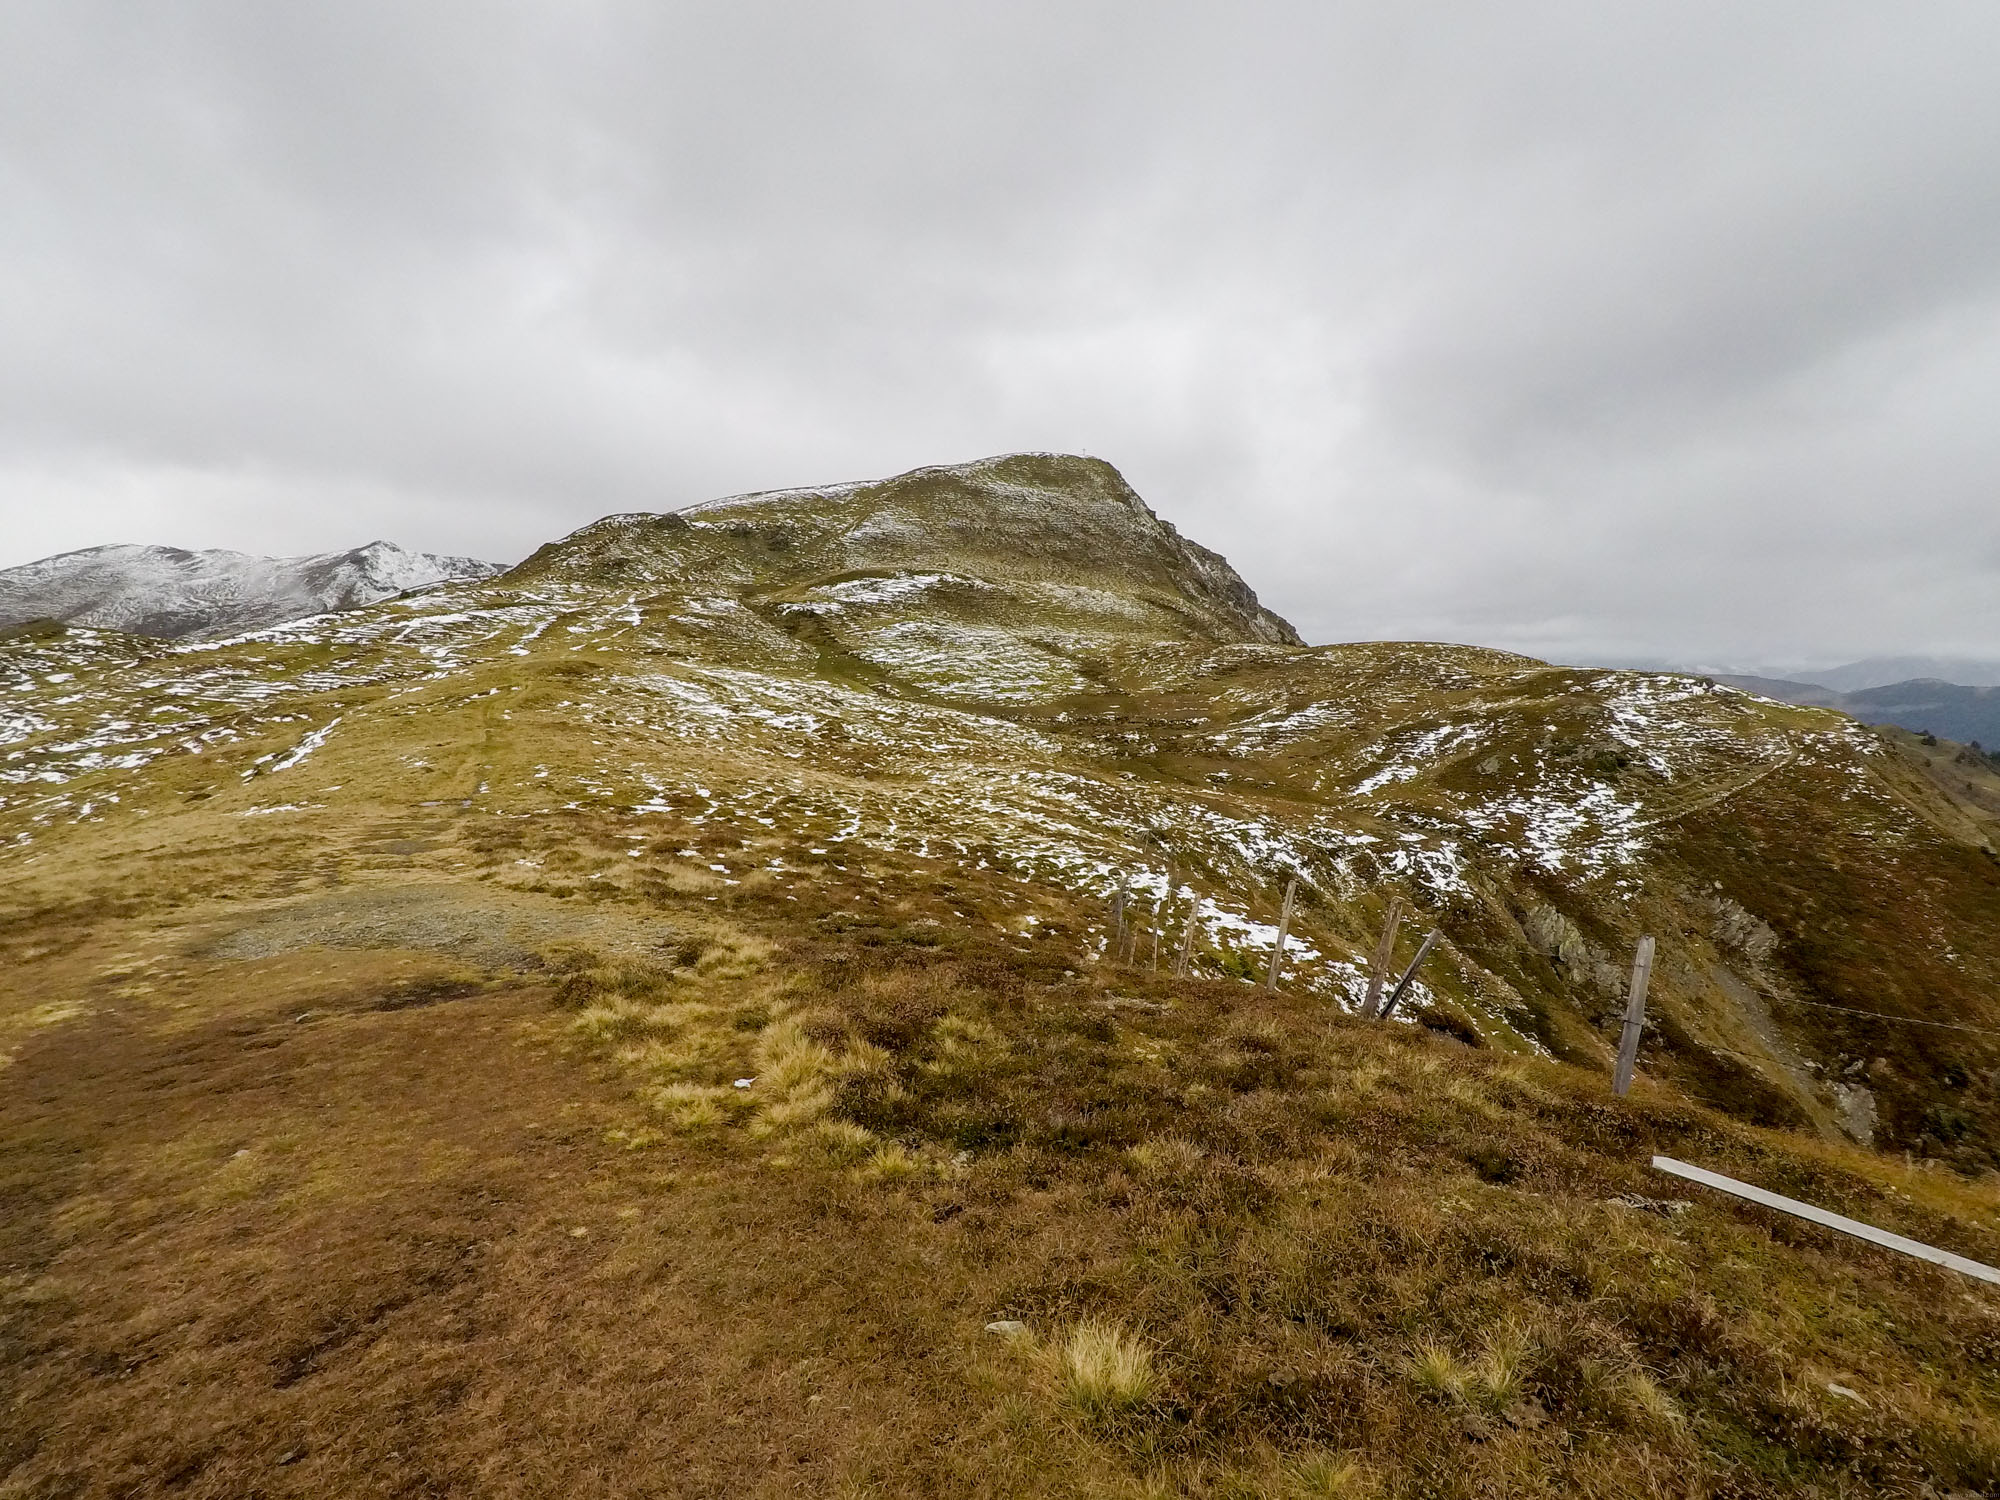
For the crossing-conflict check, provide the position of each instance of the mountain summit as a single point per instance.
(1026, 537)
(174, 593)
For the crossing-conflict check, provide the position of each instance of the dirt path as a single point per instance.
(1699, 800)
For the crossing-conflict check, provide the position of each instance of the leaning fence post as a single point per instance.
(1278, 948)
(1424, 952)
(1635, 1017)
(1187, 942)
(1117, 922)
(1378, 967)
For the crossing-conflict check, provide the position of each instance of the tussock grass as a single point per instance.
(1436, 1371)
(1326, 1476)
(695, 1106)
(1102, 1371)
(893, 1162)
(1170, 1157)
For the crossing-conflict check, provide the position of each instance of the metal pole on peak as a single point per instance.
(1378, 966)
(1278, 948)
(1635, 1018)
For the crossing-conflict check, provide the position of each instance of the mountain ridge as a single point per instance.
(173, 593)
(1955, 711)
(1887, 671)
(1031, 611)
(731, 946)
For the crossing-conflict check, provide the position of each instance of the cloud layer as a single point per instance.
(1584, 330)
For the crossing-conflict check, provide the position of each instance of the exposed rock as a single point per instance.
(1736, 928)
(1854, 1106)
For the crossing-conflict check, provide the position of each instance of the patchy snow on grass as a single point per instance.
(968, 661)
(299, 753)
(1418, 754)
(18, 724)
(1588, 830)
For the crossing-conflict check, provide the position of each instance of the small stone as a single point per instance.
(1006, 1328)
(291, 1457)
(744, 1083)
(1846, 1394)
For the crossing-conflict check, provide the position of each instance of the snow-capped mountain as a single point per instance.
(170, 592)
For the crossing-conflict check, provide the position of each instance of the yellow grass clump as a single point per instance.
(1103, 1371)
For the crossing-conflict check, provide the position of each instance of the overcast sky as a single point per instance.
(1590, 330)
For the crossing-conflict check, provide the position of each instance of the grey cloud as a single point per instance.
(1584, 330)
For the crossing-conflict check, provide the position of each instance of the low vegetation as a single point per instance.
(565, 1038)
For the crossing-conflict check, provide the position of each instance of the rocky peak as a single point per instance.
(1046, 528)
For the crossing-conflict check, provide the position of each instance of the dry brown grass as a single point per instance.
(1260, 1250)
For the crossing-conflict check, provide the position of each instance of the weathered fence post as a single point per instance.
(1635, 1018)
(1278, 948)
(1117, 922)
(1187, 942)
(1424, 952)
(1378, 966)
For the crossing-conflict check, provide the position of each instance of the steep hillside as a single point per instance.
(173, 594)
(801, 880)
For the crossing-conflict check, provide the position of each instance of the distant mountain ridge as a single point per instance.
(1892, 671)
(1951, 710)
(173, 593)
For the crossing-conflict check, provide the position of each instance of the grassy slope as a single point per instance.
(326, 1042)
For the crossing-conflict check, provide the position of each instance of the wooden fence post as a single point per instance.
(1378, 967)
(1187, 943)
(1635, 1018)
(1424, 952)
(1278, 948)
(1117, 922)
